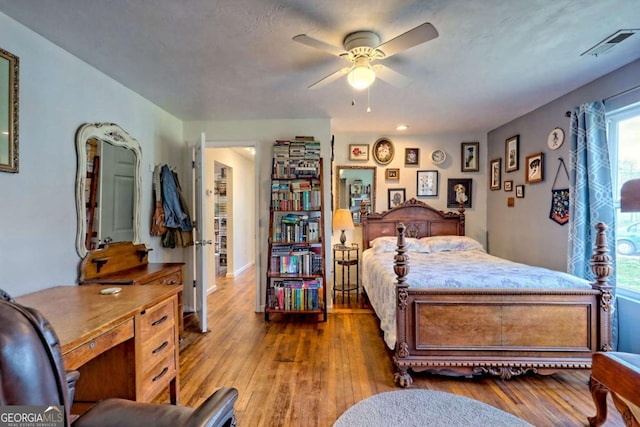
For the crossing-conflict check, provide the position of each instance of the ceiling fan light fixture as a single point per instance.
(361, 76)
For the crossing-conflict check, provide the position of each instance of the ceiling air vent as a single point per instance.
(610, 42)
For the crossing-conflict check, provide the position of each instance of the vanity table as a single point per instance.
(125, 264)
(123, 344)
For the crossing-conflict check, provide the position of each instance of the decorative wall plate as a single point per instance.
(438, 156)
(555, 138)
(383, 151)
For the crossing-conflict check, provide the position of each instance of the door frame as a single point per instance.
(256, 167)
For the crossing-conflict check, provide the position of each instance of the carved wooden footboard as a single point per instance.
(490, 331)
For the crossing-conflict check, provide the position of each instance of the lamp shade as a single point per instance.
(342, 220)
(362, 75)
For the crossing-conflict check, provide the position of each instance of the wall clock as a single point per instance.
(438, 156)
(555, 138)
(383, 151)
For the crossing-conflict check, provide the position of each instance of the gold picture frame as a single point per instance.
(392, 174)
(359, 152)
(495, 174)
(383, 151)
(534, 171)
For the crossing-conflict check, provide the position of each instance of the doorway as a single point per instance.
(232, 208)
(220, 230)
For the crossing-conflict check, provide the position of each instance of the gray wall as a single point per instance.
(524, 233)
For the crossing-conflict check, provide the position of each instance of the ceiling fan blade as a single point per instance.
(392, 77)
(420, 34)
(330, 78)
(306, 40)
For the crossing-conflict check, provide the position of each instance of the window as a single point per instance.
(624, 137)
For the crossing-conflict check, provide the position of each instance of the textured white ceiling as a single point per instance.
(234, 59)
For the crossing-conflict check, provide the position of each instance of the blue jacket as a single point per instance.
(175, 214)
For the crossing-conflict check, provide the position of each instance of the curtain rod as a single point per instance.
(624, 92)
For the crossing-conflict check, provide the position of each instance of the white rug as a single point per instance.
(422, 408)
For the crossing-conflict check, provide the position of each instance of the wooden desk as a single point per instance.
(124, 345)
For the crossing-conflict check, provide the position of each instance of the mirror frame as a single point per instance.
(12, 89)
(373, 186)
(115, 135)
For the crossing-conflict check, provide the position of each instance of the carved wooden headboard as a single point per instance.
(420, 219)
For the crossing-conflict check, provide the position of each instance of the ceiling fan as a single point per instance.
(361, 48)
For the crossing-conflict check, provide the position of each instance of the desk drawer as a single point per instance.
(81, 355)
(156, 319)
(170, 279)
(158, 377)
(157, 349)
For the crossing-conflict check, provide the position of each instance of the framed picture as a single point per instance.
(508, 186)
(469, 155)
(359, 152)
(511, 202)
(383, 151)
(427, 183)
(392, 174)
(495, 169)
(511, 153)
(535, 166)
(520, 191)
(411, 156)
(458, 190)
(396, 196)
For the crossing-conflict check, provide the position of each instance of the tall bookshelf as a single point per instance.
(296, 282)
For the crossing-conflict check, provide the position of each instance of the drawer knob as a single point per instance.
(160, 320)
(163, 345)
(172, 281)
(92, 345)
(161, 374)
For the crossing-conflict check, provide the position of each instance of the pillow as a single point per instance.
(390, 244)
(451, 243)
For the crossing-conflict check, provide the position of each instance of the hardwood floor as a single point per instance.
(294, 373)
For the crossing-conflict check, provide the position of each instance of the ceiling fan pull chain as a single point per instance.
(368, 99)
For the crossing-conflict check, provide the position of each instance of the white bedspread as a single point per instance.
(451, 269)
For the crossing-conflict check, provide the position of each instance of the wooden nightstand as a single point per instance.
(344, 259)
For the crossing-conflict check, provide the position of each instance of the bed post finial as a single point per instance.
(602, 269)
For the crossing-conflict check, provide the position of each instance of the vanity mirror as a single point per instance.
(108, 186)
(356, 184)
(9, 70)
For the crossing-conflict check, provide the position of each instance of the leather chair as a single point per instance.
(32, 373)
(618, 373)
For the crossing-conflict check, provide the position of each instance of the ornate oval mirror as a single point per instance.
(355, 185)
(108, 186)
(9, 70)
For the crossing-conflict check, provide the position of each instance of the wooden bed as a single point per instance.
(512, 330)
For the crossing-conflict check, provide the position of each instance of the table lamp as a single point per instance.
(342, 221)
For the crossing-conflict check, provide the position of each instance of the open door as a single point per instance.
(196, 262)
